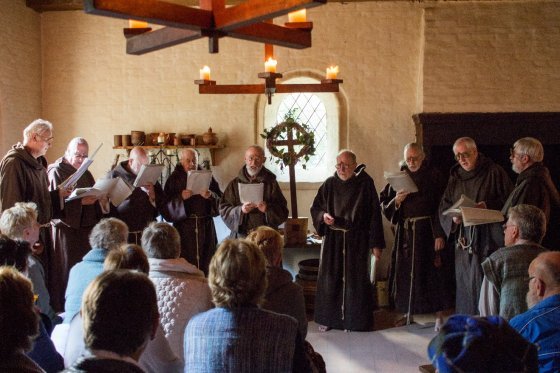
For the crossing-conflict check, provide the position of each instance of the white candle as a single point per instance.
(297, 16)
(205, 73)
(332, 72)
(270, 65)
(137, 24)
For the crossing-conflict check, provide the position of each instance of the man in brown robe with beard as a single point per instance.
(71, 233)
(272, 211)
(346, 213)
(534, 186)
(192, 215)
(421, 273)
(485, 182)
(23, 178)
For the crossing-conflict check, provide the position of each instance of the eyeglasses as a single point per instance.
(254, 159)
(506, 226)
(465, 155)
(513, 154)
(82, 156)
(341, 165)
(530, 278)
(413, 159)
(46, 139)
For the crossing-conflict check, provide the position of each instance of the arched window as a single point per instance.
(320, 113)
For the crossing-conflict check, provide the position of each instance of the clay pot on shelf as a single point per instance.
(152, 139)
(170, 138)
(210, 138)
(137, 137)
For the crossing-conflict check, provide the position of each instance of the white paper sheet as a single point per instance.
(251, 192)
(198, 181)
(149, 173)
(401, 181)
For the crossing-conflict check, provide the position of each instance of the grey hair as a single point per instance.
(38, 126)
(258, 147)
(108, 234)
(193, 151)
(349, 152)
(469, 143)
(161, 241)
(530, 147)
(17, 218)
(530, 221)
(73, 145)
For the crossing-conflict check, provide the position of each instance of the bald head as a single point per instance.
(137, 158)
(547, 267)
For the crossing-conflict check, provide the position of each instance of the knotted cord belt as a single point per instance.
(344, 231)
(412, 222)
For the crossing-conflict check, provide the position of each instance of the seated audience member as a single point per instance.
(481, 344)
(238, 336)
(120, 316)
(181, 287)
(19, 323)
(541, 323)
(107, 235)
(20, 223)
(282, 294)
(43, 352)
(158, 356)
(505, 271)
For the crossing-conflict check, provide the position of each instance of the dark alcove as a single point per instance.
(494, 134)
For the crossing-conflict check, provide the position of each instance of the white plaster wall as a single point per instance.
(20, 70)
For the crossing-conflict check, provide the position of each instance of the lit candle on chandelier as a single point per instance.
(297, 16)
(205, 73)
(270, 65)
(137, 24)
(332, 72)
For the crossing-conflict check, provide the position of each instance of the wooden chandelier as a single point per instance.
(246, 21)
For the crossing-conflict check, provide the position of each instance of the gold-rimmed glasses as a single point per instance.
(465, 155)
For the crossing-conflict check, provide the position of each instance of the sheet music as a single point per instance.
(251, 192)
(120, 191)
(198, 181)
(73, 179)
(116, 189)
(476, 216)
(149, 173)
(455, 209)
(401, 181)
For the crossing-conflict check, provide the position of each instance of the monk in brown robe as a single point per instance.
(23, 178)
(192, 214)
(71, 233)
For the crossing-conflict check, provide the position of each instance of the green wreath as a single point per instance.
(303, 134)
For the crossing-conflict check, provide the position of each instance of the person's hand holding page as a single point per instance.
(481, 205)
(186, 194)
(86, 201)
(262, 206)
(149, 189)
(400, 197)
(247, 207)
(206, 194)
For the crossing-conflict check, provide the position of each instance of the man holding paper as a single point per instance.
(483, 181)
(23, 178)
(421, 266)
(192, 201)
(245, 208)
(70, 233)
(141, 207)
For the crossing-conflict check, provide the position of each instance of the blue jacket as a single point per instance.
(541, 325)
(244, 339)
(80, 276)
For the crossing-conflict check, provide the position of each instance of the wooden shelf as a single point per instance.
(211, 148)
(171, 147)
